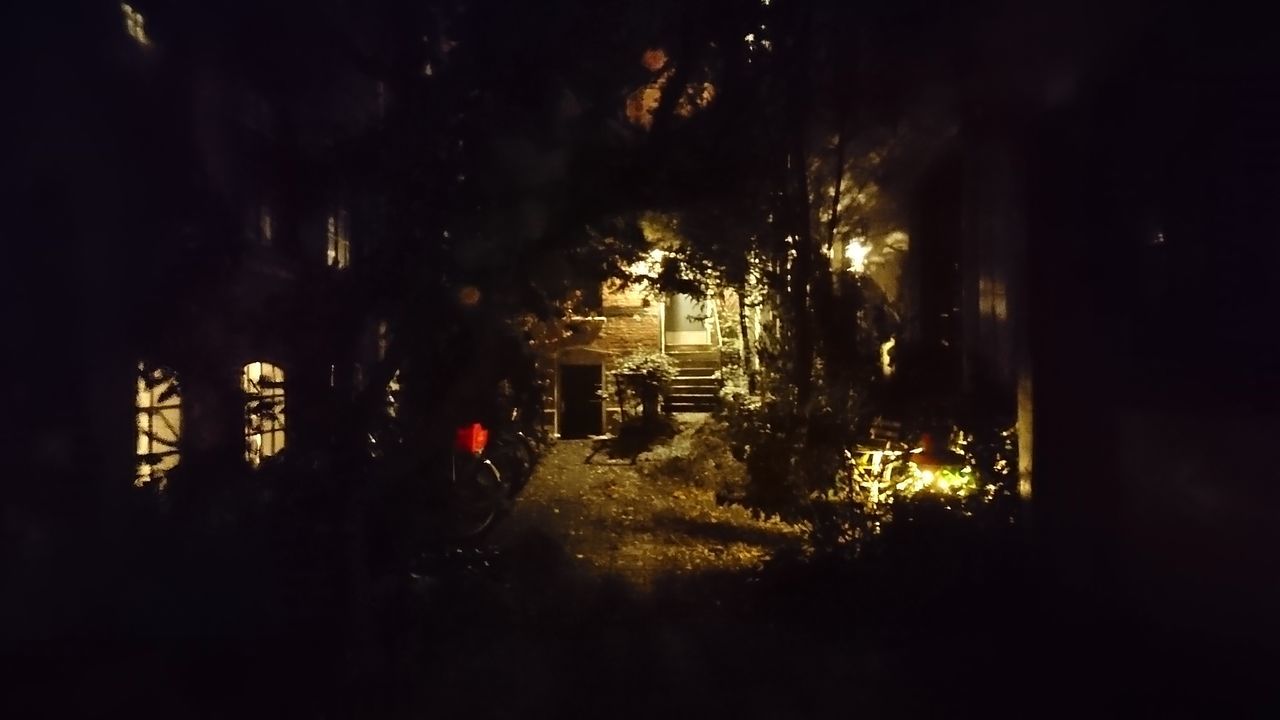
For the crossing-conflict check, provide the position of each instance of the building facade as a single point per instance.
(632, 320)
(199, 242)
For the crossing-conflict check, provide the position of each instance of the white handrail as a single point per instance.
(715, 317)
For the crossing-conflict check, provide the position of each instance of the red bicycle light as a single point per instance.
(471, 439)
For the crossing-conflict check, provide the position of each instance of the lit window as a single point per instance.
(135, 24)
(266, 225)
(993, 298)
(159, 423)
(338, 240)
(263, 385)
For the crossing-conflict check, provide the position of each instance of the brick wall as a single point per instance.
(627, 330)
(627, 334)
(633, 324)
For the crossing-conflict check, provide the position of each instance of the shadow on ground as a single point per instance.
(541, 636)
(532, 631)
(610, 592)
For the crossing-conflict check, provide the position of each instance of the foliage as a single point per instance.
(644, 377)
(638, 434)
(656, 368)
(847, 488)
(706, 462)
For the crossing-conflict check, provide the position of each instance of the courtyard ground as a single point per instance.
(641, 521)
(622, 589)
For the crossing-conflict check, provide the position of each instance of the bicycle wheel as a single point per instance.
(516, 459)
(479, 496)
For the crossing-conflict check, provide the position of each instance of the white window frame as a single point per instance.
(264, 410)
(158, 423)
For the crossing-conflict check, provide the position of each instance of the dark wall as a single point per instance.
(1153, 266)
(933, 285)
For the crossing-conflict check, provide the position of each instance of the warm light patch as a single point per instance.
(135, 24)
(650, 266)
(654, 59)
(263, 386)
(993, 298)
(393, 395)
(643, 102)
(158, 423)
(897, 240)
(338, 240)
(1024, 430)
(882, 476)
(886, 356)
(697, 96)
(856, 252)
(757, 42)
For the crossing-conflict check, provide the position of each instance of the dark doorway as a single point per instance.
(580, 402)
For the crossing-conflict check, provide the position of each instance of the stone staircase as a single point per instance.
(697, 385)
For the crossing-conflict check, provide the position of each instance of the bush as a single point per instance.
(644, 378)
(765, 437)
(639, 434)
(705, 461)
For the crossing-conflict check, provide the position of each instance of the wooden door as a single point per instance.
(581, 406)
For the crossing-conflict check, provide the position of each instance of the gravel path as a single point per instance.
(640, 521)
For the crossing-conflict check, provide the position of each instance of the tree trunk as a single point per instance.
(798, 292)
(649, 402)
(798, 210)
(748, 356)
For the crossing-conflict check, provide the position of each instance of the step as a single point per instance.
(702, 372)
(694, 356)
(695, 382)
(691, 407)
(694, 390)
(687, 405)
(692, 397)
(697, 362)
